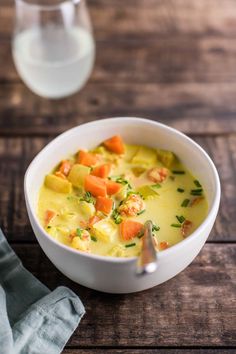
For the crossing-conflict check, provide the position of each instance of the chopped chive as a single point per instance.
(185, 203)
(180, 190)
(130, 245)
(175, 225)
(141, 212)
(196, 191)
(140, 234)
(122, 181)
(87, 197)
(116, 216)
(155, 228)
(177, 172)
(157, 185)
(197, 183)
(49, 227)
(93, 239)
(180, 218)
(79, 232)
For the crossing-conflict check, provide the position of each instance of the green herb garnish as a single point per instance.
(136, 193)
(87, 197)
(120, 180)
(197, 183)
(175, 225)
(93, 238)
(49, 227)
(180, 218)
(130, 245)
(79, 232)
(129, 193)
(141, 212)
(185, 203)
(155, 228)
(177, 172)
(180, 190)
(157, 185)
(116, 216)
(196, 191)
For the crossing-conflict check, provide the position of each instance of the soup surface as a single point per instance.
(97, 201)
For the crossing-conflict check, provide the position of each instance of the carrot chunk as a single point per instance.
(104, 204)
(113, 187)
(130, 229)
(65, 167)
(86, 158)
(102, 171)
(163, 245)
(95, 185)
(49, 215)
(115, 144)
(93, 220)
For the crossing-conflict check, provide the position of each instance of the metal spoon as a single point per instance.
(147, 261)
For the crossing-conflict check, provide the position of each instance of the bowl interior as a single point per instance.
(133, 131)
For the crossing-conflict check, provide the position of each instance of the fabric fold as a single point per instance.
(32, 318)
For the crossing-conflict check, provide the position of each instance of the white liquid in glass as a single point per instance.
(54, 62)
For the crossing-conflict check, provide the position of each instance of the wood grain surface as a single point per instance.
(191, 309)
(148, 351)
(172, 61)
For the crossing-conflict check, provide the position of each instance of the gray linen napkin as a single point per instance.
(33, 320)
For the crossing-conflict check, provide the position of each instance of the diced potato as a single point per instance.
(58, 184)
(147, 192)
(130, 151)
(99, 150)
(104, 230)
(87, 209)
(137, 171)
(122, 194)
(145, 156)
(117, 251)
(166, 157)
(79, 244)
(77, 174)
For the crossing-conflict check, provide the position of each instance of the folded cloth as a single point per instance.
(33, 320)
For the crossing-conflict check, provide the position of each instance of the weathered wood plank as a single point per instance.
(16, 153)
(190, 107)
(170, 60)
(145, 19)
(197, 307)
(149, 351)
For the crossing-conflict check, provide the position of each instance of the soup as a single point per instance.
(98, 201)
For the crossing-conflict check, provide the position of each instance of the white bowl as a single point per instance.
(109, 274)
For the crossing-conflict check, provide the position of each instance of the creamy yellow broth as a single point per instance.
(163, 208)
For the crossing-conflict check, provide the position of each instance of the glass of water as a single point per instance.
(53, 45)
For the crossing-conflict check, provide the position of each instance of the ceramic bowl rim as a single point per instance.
(211, 213)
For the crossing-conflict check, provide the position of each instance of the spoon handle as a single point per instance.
(147, 261)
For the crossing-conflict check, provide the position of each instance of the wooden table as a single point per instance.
(171, 61)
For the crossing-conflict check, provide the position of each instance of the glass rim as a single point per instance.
(48, 7)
